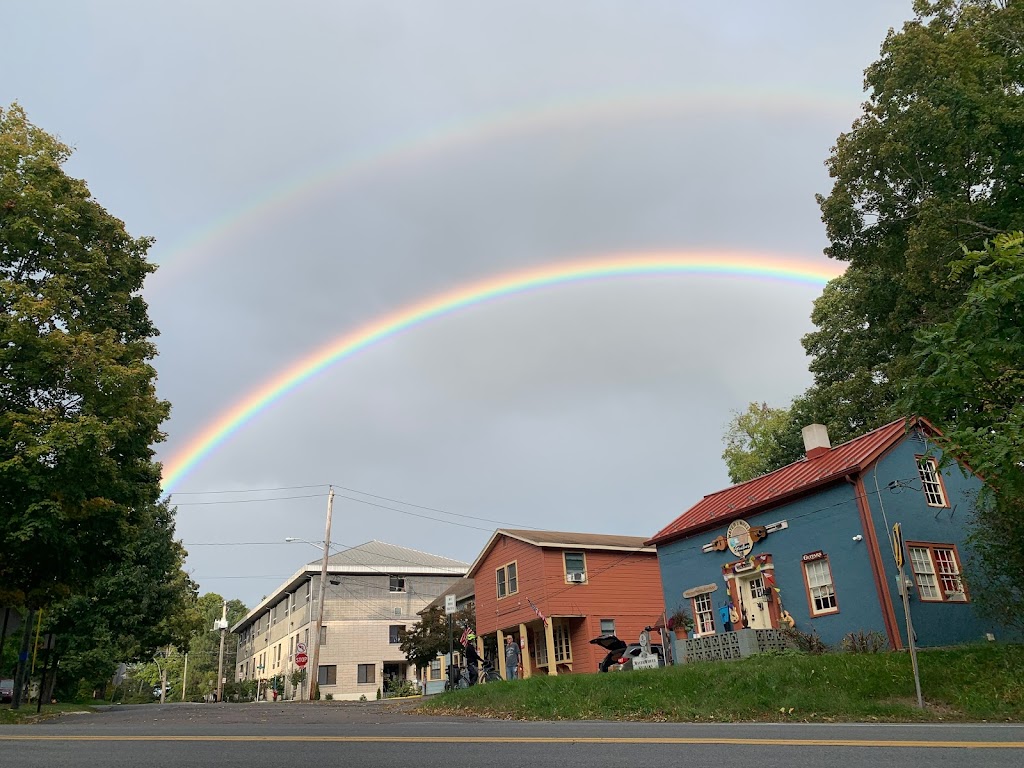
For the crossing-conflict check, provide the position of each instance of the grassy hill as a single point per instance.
(973, 683)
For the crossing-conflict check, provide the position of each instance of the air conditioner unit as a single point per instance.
(577, 578)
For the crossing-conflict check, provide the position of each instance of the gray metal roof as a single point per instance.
(378, 556)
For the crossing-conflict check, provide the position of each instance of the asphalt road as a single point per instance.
(387, 734)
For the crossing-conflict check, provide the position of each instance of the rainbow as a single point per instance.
(406, 150)
(742, 265)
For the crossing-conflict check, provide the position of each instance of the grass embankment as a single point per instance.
(971, 683)
(27, 712)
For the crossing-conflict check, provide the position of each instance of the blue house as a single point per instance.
(810, 544)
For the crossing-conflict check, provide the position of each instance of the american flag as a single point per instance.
(537, 611)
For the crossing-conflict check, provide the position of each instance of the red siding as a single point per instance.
(621, 585)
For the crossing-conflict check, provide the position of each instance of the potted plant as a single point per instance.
(681, 622)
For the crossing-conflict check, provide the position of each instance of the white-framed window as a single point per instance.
(931, 482)
(323, 634)
(563, 643)
(607, 626)
(507, 579)
(435, 669)
(396, 584)
(703, 614)
(937, 572)
(821, 591)
(575, 567)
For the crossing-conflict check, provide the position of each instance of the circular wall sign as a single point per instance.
(738, 536)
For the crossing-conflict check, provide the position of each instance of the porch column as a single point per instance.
(524, 650)
(501, 655)
(549, 635)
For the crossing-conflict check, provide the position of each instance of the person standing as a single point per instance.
(512, 657)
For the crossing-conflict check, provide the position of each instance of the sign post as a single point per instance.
(897, 553)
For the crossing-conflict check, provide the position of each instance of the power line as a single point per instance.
(246, 501)
(249, 490)
(420, 506)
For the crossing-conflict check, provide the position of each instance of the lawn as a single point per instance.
(973, 683)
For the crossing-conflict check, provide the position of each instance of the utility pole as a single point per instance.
(184, 677)
(223, 625)
(314, 685)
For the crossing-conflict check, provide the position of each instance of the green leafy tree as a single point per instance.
(970, 383)
(138, 605)
(429, 638)
(78, 410)
(204, 646)
(933, 164)
(753, 441)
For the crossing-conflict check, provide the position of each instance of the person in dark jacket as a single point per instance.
(472, 659)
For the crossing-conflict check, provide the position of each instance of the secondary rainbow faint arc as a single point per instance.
(751, 265)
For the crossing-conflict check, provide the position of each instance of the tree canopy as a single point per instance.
(970, 382)
(78, 410)
(932, 165)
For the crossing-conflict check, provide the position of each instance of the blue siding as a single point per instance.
(827, 520)
(936, 623)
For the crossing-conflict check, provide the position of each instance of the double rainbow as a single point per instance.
(740, 265)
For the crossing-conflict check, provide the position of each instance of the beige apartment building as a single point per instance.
(374, 591)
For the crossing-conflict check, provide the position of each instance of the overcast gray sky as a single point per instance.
(308, 167)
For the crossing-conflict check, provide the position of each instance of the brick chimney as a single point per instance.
(816, 440)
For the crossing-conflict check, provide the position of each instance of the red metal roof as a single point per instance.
(783, 484)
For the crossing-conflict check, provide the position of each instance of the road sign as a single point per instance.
(897, 544)
(301, 660)
(300, 647)
(449, 604)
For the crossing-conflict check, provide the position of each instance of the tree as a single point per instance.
(931, 165)
(429, 638)
(752, 442)
(970, 383)
(204, 646)
(78, 409)
(136, 605)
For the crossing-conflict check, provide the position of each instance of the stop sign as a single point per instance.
(301, 659)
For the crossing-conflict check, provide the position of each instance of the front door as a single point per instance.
(755, 601)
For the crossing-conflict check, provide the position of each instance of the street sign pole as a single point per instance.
(897, 553)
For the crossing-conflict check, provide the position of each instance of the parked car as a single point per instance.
(6, 691)
(156, 692)
(621, 654)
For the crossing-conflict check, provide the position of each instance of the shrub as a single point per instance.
(808, 642)
(329, 697)
(378, 694)
(363, 697)
(865, 642)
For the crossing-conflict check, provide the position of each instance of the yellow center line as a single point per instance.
(547, 740)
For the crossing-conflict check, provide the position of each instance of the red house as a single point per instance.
(554, 592)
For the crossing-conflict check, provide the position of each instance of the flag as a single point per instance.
(537, 611)
(465, 636)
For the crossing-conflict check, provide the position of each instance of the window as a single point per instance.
(367, 673)
(563, 645)
(937, 572)
(397, 584)
(820, 590)
(287, 601)
(323, 635)
(607, 626)
(507, 580)
(395, 632)
(435, 669)
(327, 675)
(575, 567)
(931, 482)
(703, 614)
